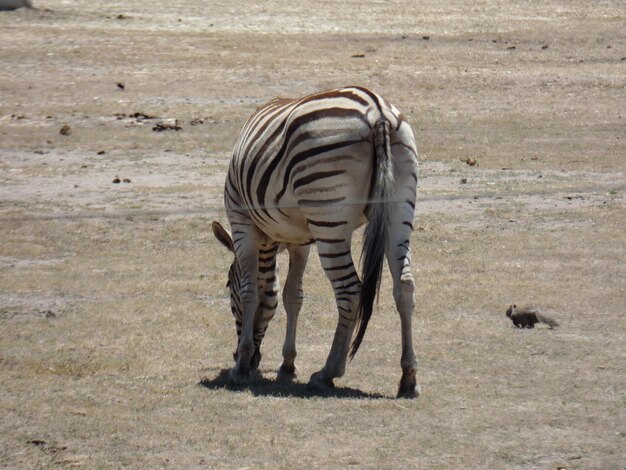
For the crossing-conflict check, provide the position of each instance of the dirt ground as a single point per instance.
(116, 123)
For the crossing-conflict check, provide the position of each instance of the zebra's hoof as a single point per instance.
(319, 384)
(238, 377)
(409, 390)
(408, 387)
(287, 373)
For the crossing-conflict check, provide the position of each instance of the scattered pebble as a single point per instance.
(116, 180)
(120, 85)
(65, 130)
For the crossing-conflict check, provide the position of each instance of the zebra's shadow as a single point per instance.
(262, 386)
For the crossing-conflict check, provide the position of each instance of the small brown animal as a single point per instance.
(527, 317)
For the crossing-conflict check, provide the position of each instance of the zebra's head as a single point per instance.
(234, 284)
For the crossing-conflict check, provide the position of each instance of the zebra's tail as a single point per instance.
(377, 230)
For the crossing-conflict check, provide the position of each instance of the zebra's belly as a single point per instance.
(292, 226)
(288, 226)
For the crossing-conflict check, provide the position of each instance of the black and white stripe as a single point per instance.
(312, 170)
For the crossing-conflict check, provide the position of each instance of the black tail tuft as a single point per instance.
(377, 230)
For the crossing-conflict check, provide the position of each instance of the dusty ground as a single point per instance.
(114, 321)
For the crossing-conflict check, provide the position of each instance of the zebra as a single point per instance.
(313, 170)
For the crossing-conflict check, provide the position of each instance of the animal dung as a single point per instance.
(167, 125)
(118, 180)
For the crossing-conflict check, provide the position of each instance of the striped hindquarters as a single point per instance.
(311, 152)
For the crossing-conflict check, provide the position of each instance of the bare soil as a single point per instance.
(115, 329)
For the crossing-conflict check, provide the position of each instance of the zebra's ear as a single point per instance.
(222, 236)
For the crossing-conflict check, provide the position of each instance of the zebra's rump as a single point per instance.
(297, 161)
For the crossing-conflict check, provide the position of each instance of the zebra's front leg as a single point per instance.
(292, 300)
(267, 302)
(337, 262)
(249, 299)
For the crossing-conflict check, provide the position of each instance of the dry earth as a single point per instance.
(115, 329)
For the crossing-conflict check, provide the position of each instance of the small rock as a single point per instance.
(463, 180)
(120, 85)
(126, 180)
(65, 130)
(116, 180)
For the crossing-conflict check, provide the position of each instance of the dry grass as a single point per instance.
(115, 330)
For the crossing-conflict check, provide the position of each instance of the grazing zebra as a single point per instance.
(312, 170)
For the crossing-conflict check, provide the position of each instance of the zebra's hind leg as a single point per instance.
(292, 300)
(399, 260)
(336, 260)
